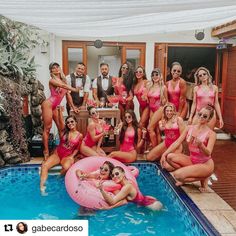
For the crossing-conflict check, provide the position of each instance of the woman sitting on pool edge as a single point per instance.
(128, 192)
(199, 165)
(66, 151)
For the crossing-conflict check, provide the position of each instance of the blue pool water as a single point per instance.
(20, 198)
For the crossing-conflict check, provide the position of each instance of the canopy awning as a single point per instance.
(112, 18)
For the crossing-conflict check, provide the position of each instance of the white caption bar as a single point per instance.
(44, 227)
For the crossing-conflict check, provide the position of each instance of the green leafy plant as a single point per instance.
(17, 66)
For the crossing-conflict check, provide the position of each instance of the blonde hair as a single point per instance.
(161, 83)
(164, 110)
(62, 76)
(197, 80)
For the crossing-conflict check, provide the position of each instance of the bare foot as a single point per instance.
(43, 191)
(204, 189)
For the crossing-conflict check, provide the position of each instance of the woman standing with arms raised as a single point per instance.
(203, 94)
(176, 88)
(58, 88)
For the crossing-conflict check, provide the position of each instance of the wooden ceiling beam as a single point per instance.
(227, 30)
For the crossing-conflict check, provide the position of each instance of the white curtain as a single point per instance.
(111, 18)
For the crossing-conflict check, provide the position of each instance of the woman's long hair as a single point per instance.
(129, 77)
(125, 126)
(67, 130)
(144, 75)
(62, 76)
(169, 104)
(161, 83)
(197, 80)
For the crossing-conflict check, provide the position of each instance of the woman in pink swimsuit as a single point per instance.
(203, 94)
(128, 192)
(176, 88)
(140, 91)
(58, 88)
(128, 139)
(157, 97)
(93, 138)
(123, 88)
(198, 166)
(173, 126)
(64, 154)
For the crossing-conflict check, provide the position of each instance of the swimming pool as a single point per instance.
(19, 187)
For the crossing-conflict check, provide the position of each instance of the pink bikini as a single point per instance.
(204, 98)
(196, 155)
(128, 143)
(88, 139)
(171, 134)
(154, 98)
(65, 149)
(174, 94)
(139, 93)
(57, 94)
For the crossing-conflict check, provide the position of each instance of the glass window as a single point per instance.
(75, 55)
(133, 56)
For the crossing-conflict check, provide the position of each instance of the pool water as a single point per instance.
(21, 199)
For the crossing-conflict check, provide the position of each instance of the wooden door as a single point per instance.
(134, 53)
(160, 60)
(72, 53)
(229, 90)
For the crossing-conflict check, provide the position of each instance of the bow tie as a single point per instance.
(105, 77)
(78, 76)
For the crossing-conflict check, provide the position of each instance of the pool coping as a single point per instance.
(189, 203)
(182, 195)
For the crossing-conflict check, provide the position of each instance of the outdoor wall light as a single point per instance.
(199, 35)
(98, 43)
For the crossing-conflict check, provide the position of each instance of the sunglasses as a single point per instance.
(204, 116)
(104, 169)
(155, 74)
(178, 71)
(70, 122)
(201, 75)
(128, 117)
(116, 174)
(138, 72)
(124, 67)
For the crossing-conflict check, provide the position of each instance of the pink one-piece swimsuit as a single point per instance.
(174, 94)
(154, 98)
(171, 134)
(88, 139)
(204, 97)
(57, 94)
(196, 155)
(139, 93)
(128, 143)
(65, 149)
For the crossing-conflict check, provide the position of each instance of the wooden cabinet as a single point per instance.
(110, 143)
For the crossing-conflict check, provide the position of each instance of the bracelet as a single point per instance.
(143, 138)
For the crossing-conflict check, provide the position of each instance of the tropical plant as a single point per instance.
(17, 66)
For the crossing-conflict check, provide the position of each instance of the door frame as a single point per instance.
(83, 44)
